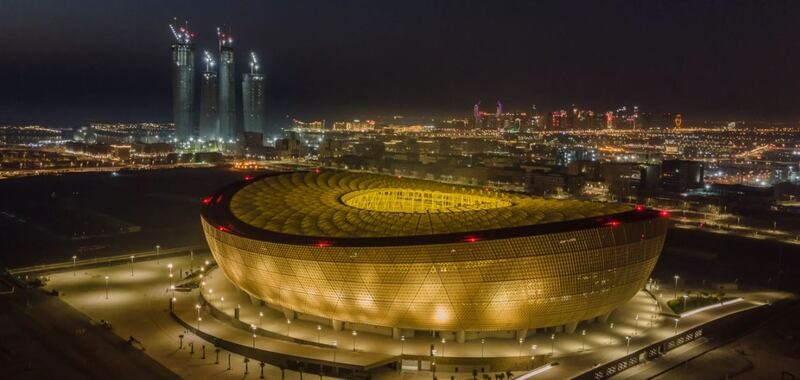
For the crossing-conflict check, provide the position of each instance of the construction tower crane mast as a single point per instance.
(182, 34)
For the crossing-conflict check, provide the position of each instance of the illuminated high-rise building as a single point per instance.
(253, 98)
(209, 117)
(182, 81)
(227, 87)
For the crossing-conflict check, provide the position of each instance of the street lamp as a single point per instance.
(254, 335)
(676, 277)
(106, 287)
(355, 334)
(335, 345)
(611, 335)
(685, 296)
(222, 304)
(628, 349)
(289, 327)
(583, 339)
(169, 266)
(444, 343)
(520, 346)
(676, 326)
(197, 306)
(402, 343)
(552, 344)
(158, 251)
(132, 257)
(260, 317)
(483, 341)
(74, 265)
(319, 330)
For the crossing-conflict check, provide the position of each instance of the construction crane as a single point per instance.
(182, 34)
(253, 63)
(209, 60)
(225, 39)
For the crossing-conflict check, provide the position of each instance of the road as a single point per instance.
(42, 337)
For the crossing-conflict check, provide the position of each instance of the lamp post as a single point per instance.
(444, 343)
(335, 345)
(260, 317)
(685, 297)
(552, 344)
(132, 257)
(611, 334)
(106, 287)
(254, 335)
(483, 341)
(197, 306)
(628, 348)
(355, 334)
(402, 344)
(520, 347)
(289, 327)
(533, 351)
(583, 339)
(169, 266)
(319, 331)
(222, 304)
(74, 265)
(158, 252)
(676, 277)
(676, 326)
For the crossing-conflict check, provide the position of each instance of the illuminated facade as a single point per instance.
(418, 255)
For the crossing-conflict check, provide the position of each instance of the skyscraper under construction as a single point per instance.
(182, 81)
(227, 87)
(209, 118)
(253, 98)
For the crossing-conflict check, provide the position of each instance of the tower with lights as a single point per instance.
(182, 81)
(226, 87)
(253, 97)
(209, 118)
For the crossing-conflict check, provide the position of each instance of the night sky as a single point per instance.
(70, 62)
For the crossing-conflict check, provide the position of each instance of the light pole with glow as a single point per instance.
(355, 334)
(611, 334)
(402, 343)
(319, 331)
(260, 317)
(628, 348)
(583, 339)
(676, 326)
(132, 257)
(685, 297)
(74, 265)
(676, 277)
(106, 287)
(158, 252)
(254, 335)
(483, 342)
(197, 306)
(552, 344)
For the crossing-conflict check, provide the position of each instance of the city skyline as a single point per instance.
(324, 61)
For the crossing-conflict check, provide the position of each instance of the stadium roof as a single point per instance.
(337, 204)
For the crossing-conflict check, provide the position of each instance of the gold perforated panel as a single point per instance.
(524, 282)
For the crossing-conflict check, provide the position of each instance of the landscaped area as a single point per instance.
(695, 300)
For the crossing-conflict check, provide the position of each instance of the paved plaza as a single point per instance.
(135, 300)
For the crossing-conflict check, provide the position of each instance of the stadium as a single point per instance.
(386, 253)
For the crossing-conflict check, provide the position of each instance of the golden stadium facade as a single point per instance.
(413, 254)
